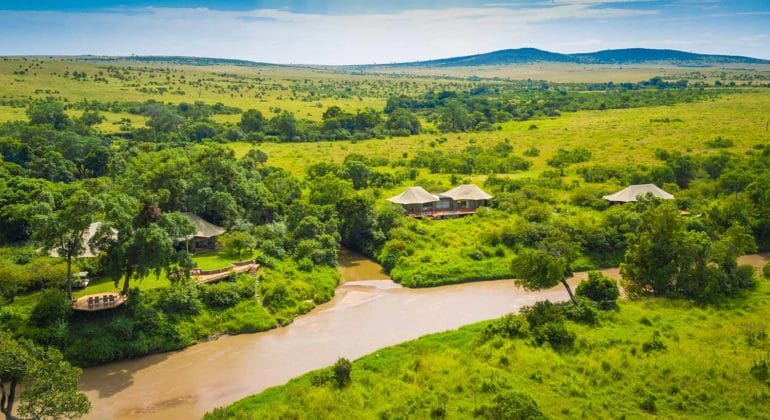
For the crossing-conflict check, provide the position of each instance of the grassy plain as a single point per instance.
(711, 364)
(615, 137)
(563, 73)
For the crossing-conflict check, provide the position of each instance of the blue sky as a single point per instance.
(354, 32)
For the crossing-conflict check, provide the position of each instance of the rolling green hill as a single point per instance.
(620, 56)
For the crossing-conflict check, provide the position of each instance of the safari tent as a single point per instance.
(631, 193)
(205, 234)
(459, 201)
(415, 200)
(467, 196)
(88, 252)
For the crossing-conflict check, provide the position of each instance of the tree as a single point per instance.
(285, 126)
(454, 116)
(91, 118)
(46, 382)
(63, 229)
(538, 269)
(252, 120)
(163, 120)
(665, 259)
(403, 121)
(600, 289)
(48, 112)
(136, 241)
(660, 253)
(237, 243)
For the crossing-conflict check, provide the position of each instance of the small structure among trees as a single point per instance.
(204, 237)
(633, 192)
(459, 201)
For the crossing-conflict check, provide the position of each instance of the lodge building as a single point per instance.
(459, 201)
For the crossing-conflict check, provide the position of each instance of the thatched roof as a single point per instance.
(466, 192)
(414, 195)
(632, 192)
(203, 229)
(87, 236)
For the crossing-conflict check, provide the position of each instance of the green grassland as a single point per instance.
(564, 72)
(615, 137)
(712, 363)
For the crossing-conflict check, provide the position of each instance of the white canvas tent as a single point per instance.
(630, 193)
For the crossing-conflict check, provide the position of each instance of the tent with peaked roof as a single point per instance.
(414, 195)
(88, 252)
(205, 232)
(467, 192)
(631, 193)
(415, 200)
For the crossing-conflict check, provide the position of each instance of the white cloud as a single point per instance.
(282, 36)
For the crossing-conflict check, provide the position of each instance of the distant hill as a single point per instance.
(495, 58)
(181, 60)
(621, 56)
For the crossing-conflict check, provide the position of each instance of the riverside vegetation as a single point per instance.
(296, 162)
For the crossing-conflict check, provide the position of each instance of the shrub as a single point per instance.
(511, 405)
(338, 374)
(509, 326)
(760, 370)
(600, 289)
(542, 313)
(766, 271)
(585, 312)
(221, 295)
(720, 143)
(44, 275)
(341, 371)
(655, 344)
(181, 299)
(52, 306)
(555, 334)
(648, 404)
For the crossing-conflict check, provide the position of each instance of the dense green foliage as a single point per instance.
(647, 358)
(40, 380)
(600, 289)
(139, 150)
(664, 258)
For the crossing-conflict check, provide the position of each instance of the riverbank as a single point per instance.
(652, 357)
(361, 318)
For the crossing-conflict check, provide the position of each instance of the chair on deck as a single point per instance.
(112, 299)
(90, 301)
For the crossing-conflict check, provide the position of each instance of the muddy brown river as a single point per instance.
(368, 312)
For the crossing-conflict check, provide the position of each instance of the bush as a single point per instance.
(766, 271)
(511, 405)
(338, 374)
(542, 313)
(509, 326)
(585, 312)
(52, 307)
(44, 275)
(222, 295)
(181, 299)
(555, 334)
(341, 371)
(760, 370)
(599, 289)
(655, 344)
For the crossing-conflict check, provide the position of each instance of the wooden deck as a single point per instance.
(97, 302)
(442, 214)
(211, 276)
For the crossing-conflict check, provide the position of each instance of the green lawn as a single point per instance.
(219, 259)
